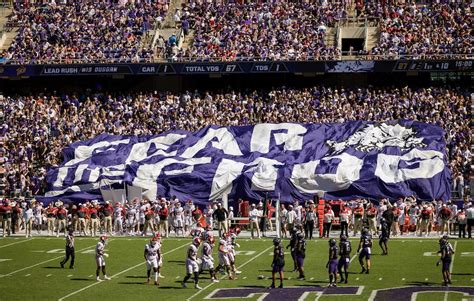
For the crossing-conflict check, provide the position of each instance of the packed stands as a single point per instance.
(83, 31)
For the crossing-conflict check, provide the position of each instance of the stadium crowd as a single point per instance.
(273, 30)
(60, 119)
(105, 31)
(85, 31)
(438, 29)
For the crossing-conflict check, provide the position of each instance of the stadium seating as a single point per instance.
(83, 31)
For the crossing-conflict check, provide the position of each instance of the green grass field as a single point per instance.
(29, 270)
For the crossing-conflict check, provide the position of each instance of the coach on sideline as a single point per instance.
(221, 214)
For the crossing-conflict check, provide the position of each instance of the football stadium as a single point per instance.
(236, 150)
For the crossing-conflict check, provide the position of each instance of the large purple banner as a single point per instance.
(287, 161)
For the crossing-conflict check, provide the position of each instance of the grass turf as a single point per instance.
(30, 269)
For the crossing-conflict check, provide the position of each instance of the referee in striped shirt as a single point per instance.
(69, 250)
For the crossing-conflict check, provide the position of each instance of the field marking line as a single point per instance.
(27, 275)
(117, 274)
(454, 256)
(16, 242)
(353, 257)
(42, 262)
(49, 275)
(239, 267)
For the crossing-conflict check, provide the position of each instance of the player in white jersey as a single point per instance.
(99, 257)
(231, 245)
(153, 257)
(131, 219)
(118, 218)
(178, 219)
(224, 260)
(188, 215)
(208, 213)
(207, 259)
(198, 231)
(192, 263)
(38, 213)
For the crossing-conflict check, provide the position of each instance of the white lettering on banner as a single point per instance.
(139, 151)
(85, 151)
(292, 139)
(265, 174)
(226, 173)
(226, 142)
(263, 179)
(147, 174)
(306, 180)
(430, 163)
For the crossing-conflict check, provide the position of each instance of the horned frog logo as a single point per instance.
(376, 137)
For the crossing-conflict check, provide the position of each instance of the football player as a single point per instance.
(198, 231)
(384, 236)
(207, 259)
(153, 258)
(99, 257)
(192, 264)
(300, 253)
(224, 259)
(344, 259)
(332, 263)
(364, 250)
(231, 244)
(291, 245)
(278, 262)
(81, 214)
(179, 219)
(446, 251)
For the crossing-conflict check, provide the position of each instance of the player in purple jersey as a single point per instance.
(384, 236)
(344, 259)
(446, 251)
(332, 262)
(364, 250)
(278, 262)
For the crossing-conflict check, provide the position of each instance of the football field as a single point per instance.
(30, 270)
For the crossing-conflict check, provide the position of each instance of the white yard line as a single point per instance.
(353, 257)
(115, 275)
(42, 262)
(454, 255)
(16, 242)
(241, 266)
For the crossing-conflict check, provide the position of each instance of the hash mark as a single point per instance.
(311, 278)
(244, 278)
(289, 278)
(90, 276)
(403, 279)
(27, 275)
(380, 279)
(177, 277)
(357, 279)
(49, 275)
(70, 275)
(426, 279)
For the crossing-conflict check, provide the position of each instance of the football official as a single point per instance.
(69, 250)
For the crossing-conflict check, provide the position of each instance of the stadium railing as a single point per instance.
(355, 56)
